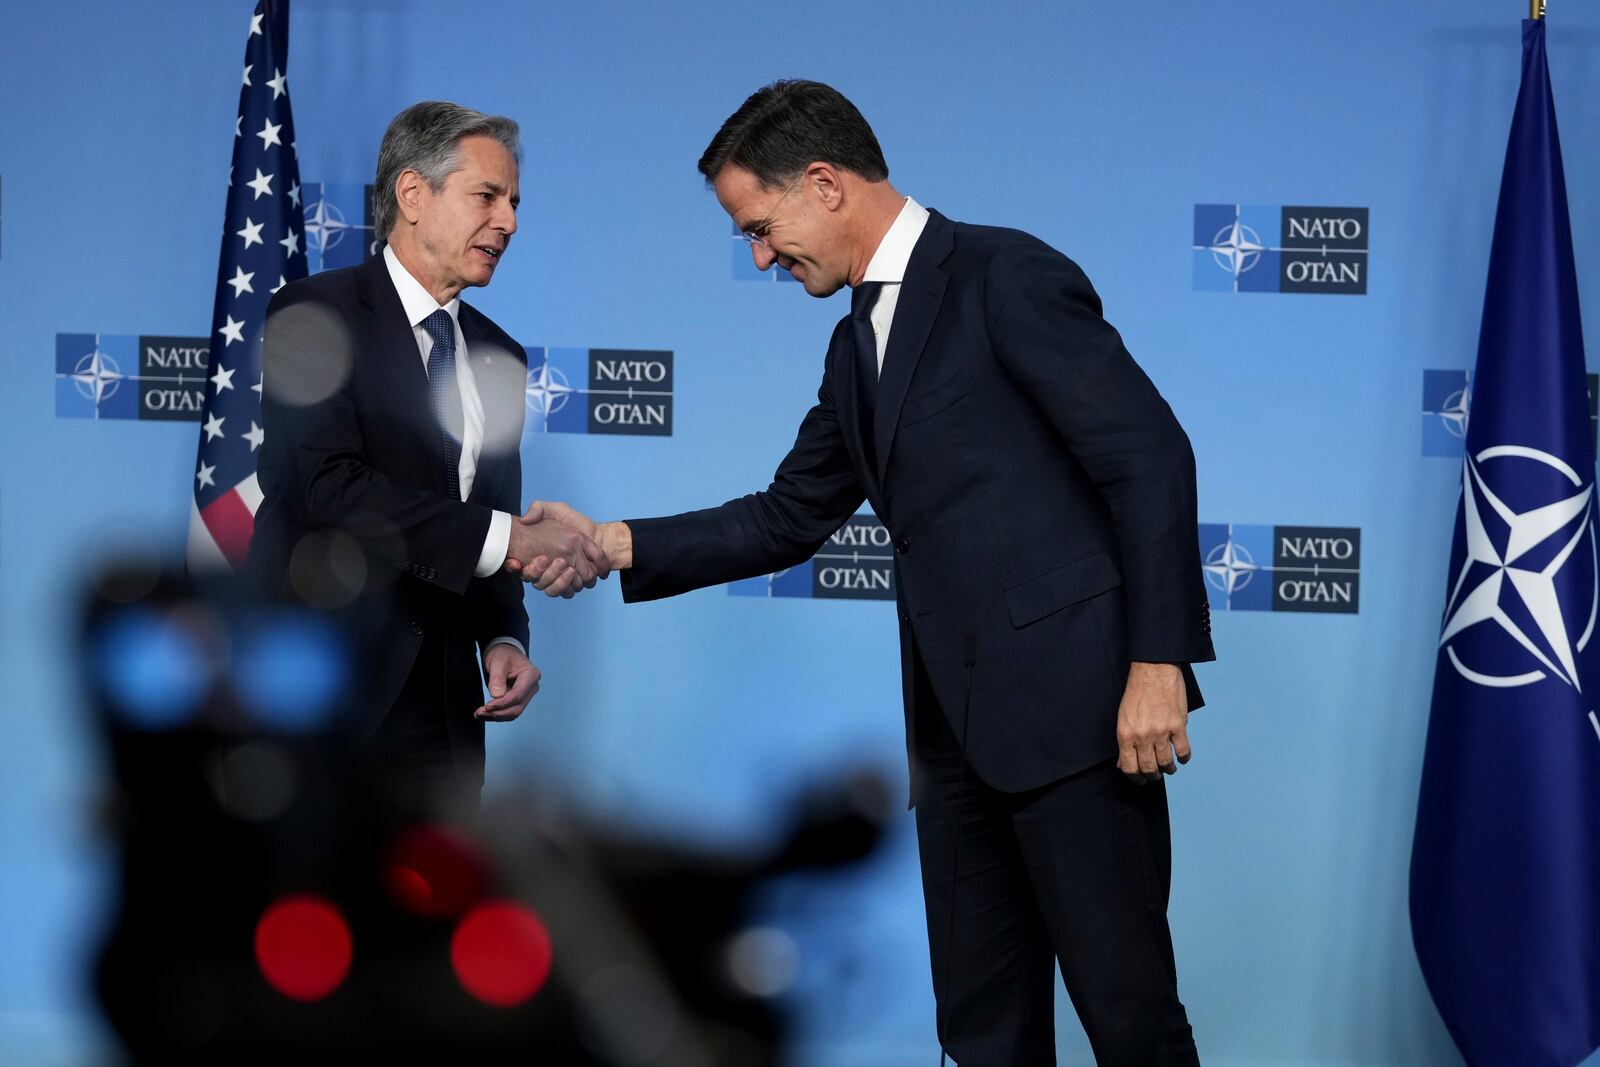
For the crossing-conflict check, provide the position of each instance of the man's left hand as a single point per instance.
(1152, 723)
(512, 682)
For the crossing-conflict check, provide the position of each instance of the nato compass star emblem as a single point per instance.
(325, 226)
(548, 391)
(97, 376)
(1508, 599)
(1229, 567)
(1236, 248)
(1453, 412)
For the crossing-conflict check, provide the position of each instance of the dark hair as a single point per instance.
(426, 138)
(788, 125)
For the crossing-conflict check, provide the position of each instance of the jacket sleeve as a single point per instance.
(813, 492)
(496, 605)
(315, 459)
(1044, 321)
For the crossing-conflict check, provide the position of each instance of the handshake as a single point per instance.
(560, 550)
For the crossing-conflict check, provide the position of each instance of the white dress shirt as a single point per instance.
(888, 265)
(419, 304)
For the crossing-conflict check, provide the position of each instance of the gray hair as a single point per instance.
(426, 138)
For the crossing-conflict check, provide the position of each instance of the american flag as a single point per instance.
(262, 250)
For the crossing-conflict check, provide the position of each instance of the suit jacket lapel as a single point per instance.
(502, 390)
(397, 348)
(914, 312)
(847, 403)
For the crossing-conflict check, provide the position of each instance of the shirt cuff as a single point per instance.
(512, 641)
(495, 545)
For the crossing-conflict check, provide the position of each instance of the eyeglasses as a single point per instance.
(757, 234)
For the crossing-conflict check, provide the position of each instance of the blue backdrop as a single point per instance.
(1100, 132)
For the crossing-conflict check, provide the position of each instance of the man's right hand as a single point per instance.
(553, 556)
(613, 539)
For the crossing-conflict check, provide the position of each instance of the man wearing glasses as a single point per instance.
(1041, 499)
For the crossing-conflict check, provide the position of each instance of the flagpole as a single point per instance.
(1536, 9)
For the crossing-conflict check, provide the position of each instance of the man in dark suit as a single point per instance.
(390, 466)
(1041, 500)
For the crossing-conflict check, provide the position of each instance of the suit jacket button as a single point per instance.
(416, 626)
(902, 546)
(905, 618)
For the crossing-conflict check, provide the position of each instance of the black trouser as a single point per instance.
(1077, 872)
(429, 748)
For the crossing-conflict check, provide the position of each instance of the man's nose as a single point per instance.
(764, 256)
(506, 220)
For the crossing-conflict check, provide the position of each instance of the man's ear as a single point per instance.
(823, 180)
(409, 190)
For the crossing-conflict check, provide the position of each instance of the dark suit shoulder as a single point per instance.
(336, 288)
(982, 245)
(1010, 261)
(476, 322)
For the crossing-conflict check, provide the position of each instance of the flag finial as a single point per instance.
(1536, 9)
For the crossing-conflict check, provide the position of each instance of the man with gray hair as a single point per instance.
(390, 466)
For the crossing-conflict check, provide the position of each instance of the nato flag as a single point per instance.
(1505, 867)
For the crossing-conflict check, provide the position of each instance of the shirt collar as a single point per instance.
(894, 251)
(417, 301)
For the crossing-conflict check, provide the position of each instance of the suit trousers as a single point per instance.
(1074, 873)
(428, 748)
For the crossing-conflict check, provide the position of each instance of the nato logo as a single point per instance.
(599, 390)
(1447, 401)
(1525, 599)
(856, 563)
(744, 266)
(1282, 568)
(339, 229)
(121, 376)
(1260, 248)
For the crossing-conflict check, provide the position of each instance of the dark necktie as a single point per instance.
(446, 395)
(862, 299)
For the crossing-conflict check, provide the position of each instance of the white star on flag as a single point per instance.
(262, 184)
(251, 233)
(1535, 588)
(227, 489)
(269, 134)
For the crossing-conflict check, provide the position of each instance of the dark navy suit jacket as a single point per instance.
(1039, 492)
(352, 445)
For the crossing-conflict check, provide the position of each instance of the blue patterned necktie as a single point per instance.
(862, 300)
(446, 394)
